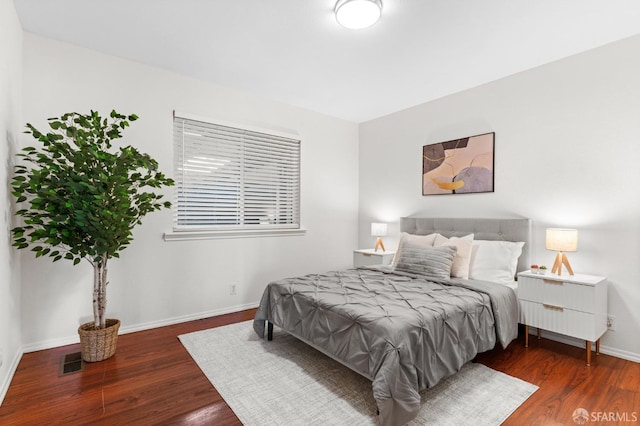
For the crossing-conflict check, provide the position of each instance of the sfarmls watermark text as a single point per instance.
(582, 416)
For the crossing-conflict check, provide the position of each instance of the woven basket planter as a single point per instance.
(98, 345)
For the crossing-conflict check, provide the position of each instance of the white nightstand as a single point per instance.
(573, 305)
(368, 257)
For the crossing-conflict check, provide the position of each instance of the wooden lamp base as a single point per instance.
(561, 259)
(379, 244)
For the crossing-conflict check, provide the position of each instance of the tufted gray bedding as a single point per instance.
(401, 331)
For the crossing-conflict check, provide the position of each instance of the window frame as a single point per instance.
(241, 230)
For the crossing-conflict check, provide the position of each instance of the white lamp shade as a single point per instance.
(379, 229)
(358, 14)
(562, 239)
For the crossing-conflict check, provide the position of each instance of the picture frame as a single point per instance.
(459, 166)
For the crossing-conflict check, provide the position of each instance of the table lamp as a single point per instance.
(379, 230)
(562, 240)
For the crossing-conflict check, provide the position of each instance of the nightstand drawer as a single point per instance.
(574, 305)
(370, 257)
(558, 293)
(582, 325)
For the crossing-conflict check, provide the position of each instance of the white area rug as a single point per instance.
(286, 382)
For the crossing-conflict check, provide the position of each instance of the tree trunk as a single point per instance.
(100, 292)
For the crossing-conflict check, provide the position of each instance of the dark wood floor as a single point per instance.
(153, 380)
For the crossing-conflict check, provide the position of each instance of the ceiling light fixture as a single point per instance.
(358, 14)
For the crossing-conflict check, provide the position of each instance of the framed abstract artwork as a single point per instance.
(459, 166)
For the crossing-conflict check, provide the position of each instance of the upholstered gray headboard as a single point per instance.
(483, 229)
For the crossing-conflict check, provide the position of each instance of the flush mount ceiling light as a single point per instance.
(358, 14)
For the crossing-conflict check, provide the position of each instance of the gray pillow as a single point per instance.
(434, 262)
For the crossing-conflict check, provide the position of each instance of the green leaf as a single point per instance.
(82, 197)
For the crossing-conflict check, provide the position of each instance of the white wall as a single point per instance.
(10, 84)
(156, 282)
(567, 154)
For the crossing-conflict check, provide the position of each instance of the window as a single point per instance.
(234, 179)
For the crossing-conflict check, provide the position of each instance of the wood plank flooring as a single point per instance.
(152, 380)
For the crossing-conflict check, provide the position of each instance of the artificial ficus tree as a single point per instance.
(83, 196)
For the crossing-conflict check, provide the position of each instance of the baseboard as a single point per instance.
(6, 381)
(629, 356)
(607, 350)
(70, 340)
(187, 318)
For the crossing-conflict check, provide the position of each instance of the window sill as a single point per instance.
(214, 235)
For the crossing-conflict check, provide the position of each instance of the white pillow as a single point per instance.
(495, 261)
(414, 241)
(461, 262)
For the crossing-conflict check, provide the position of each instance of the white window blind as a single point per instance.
(228, 178)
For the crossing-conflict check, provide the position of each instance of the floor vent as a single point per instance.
(71, 363)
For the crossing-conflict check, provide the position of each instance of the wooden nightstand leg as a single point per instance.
(598, 347)
(538, 333)
(588, 349)
(526, 336)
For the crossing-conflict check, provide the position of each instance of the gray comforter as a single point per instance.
(401, 331)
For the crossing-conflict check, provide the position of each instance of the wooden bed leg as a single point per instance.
(269, 331)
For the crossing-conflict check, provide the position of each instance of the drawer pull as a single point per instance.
(366, 254)
(554, 307)
(556, 282)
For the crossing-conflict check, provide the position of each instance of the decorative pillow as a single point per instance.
(461, 262)
(434, 262)
(495, 261)
(411, 240)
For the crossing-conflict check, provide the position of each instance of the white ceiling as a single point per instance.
(294, 51)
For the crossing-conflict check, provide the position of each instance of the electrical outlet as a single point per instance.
(611, 323)
(232, 290)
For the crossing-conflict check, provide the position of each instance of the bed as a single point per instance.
(409, 325)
